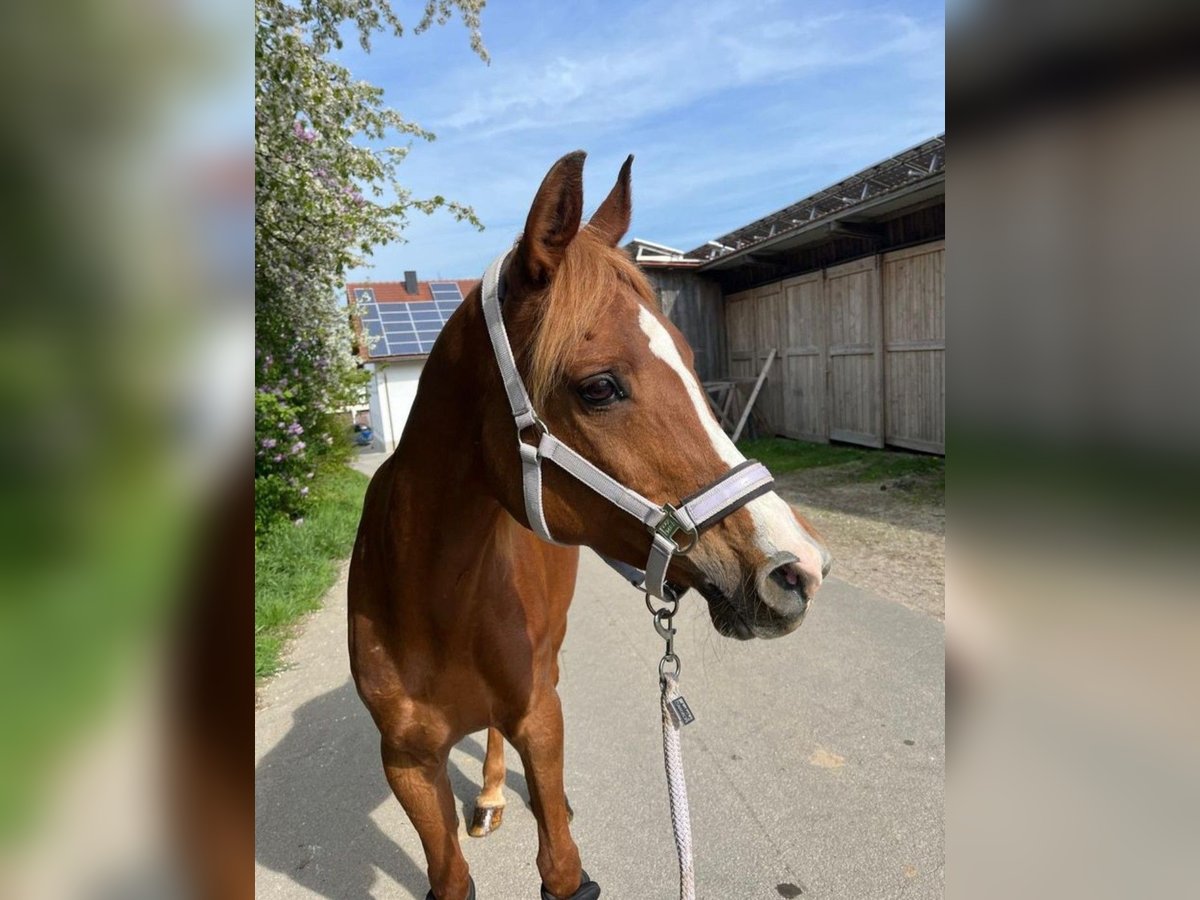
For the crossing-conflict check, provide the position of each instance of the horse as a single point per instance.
(460, 583)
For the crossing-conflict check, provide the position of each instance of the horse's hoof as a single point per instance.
(588, 890)
(485, 820)
(470, 890)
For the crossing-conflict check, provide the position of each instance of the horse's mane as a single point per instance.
(591, 273)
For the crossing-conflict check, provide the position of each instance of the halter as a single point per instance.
(673, 529)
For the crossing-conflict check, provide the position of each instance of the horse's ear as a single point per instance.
(553, 219)
(612, 218)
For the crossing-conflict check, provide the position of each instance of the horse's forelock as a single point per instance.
(591, 274)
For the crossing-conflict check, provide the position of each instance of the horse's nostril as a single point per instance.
(792, 578)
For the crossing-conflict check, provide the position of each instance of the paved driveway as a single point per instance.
(815, 763)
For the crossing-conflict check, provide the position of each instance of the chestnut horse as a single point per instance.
(457, 609)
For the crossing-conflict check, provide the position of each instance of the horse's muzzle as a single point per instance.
(772, 605)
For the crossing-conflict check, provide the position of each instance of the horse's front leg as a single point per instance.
(420, 783)
(538, 738)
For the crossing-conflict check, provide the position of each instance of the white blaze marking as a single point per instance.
(774, 523)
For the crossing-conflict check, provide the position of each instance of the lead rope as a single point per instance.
(675, 714)
(681, 820)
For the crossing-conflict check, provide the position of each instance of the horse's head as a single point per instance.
(613, 379)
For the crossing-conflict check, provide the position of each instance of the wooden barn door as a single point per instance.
(804, 362)
(739, 324)
(914, 296)
(769, 334)
(855, 381)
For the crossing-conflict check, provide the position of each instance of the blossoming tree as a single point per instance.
(326, 193)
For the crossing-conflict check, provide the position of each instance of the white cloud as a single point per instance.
(663, 62)
(731, 111)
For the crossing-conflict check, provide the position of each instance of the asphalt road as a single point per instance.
(815, 764)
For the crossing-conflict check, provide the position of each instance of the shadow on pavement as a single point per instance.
(313, 797)
(315, 792)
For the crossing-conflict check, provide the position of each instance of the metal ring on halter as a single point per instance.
(672, 605)
(662, 666)
(537, 423)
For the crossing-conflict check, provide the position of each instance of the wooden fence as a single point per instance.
(861, 350)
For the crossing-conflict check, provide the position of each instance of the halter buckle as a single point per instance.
(671, 525)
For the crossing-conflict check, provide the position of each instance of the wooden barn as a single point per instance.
(839, 297)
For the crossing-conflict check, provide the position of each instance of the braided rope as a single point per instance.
(681, 820)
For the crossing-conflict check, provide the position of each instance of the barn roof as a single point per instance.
(648, 254)
(908, 177)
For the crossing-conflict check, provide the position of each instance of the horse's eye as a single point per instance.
(600, 390)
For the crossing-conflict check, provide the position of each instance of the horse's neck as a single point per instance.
(446, 525)
(439, 475)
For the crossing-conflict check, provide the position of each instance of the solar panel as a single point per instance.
(407, 329)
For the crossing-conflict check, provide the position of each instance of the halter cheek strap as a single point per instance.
(730, 492)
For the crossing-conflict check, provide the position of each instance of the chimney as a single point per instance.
(410, 281)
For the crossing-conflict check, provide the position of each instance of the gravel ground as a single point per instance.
(887, 536)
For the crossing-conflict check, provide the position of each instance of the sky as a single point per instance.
(732, 110)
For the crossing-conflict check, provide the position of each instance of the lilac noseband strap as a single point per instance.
(672, 529)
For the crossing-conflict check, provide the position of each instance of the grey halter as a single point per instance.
(666, 523)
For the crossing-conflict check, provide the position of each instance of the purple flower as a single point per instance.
(278, 457)
(295, 428)
(298, 447)
(268, 443)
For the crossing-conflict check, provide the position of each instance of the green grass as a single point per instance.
(294, 565)
(782, 455)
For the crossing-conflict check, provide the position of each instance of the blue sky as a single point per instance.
(732, 110)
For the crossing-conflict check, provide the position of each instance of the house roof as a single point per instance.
(394, 291)
(403, 325)
(910, 176)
